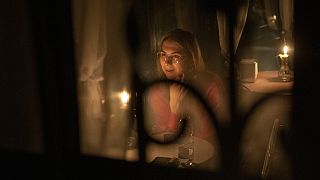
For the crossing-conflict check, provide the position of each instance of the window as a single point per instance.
(116, 45)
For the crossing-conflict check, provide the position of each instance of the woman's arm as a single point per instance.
(159, 117)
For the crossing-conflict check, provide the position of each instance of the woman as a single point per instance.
(179, 59)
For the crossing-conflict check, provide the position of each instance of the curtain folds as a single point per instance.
(91, 38)
(89, 19)
(100, 39)
(286, 14)
(223, 27)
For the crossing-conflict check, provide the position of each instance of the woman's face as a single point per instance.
(171, 60)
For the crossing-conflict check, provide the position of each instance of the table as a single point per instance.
(260, 145)
(267, 82)
(203, 151)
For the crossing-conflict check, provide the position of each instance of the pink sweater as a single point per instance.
(163, 120)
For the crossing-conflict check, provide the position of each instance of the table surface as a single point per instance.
(203, 151)
(267, 82)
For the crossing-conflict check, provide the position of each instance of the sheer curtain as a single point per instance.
(103, 72)
(286, 14)
(91, 50)
(185, 14)
(285, 9)
(223, 27)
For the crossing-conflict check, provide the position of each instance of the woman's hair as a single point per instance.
(194, 61)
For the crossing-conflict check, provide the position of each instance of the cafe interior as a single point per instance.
(75, 75)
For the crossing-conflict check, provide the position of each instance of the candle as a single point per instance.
(284, 72)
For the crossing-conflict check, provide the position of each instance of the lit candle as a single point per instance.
(285, 52)
(124, 97)
(284, 72)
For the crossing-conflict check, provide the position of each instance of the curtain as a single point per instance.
(185, 14)
(286, 14)
(90, 31)
(223, 27)
(103, 71)
(91, 49)
(270, 11)
(285, 10)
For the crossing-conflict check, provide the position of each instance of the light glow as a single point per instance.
(285, 50)
(124, 97)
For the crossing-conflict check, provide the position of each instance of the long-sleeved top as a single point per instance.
(161, 119)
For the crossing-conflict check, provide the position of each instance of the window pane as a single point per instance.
(266, 76)
(115, 38)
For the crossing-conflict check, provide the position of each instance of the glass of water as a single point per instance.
(186, 148)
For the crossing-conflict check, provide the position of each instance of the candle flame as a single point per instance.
(274, 17)
(124, 97)
(285, 50)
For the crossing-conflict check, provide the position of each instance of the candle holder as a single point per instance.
(284, 74)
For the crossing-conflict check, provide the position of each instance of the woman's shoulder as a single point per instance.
(207, 77)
